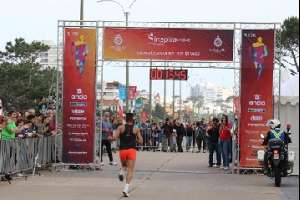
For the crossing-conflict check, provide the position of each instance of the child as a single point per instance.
(173, 141)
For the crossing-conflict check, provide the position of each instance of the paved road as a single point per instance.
(159, 176)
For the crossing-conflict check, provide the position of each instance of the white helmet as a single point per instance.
(273, 123)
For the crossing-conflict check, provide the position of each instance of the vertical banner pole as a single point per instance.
(101, 95)
(150, 95)
(173, 98)
(180, 99)
(95, 89)
(165, 95)
(127, 69)
(57, 88)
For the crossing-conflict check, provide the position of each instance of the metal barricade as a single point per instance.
(150, 140)
(21, 155)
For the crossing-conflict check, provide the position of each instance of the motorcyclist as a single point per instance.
(275, 132)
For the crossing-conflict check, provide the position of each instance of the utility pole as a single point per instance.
(165, 97)
(81, 12)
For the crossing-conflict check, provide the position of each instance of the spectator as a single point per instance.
(42, 106)
(173, 141)
(26, 131)
(213, 140)
(47, 128)
(167, 133)
(3, 124)
(189, 136)
(201, 136)
(160, 132)
(225, 141)
(155, 136)
(107, 134)
(9, 132)
(180, 132)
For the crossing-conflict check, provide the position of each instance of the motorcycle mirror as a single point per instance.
(262, 136)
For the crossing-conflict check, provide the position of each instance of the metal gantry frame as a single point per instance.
(235, 65)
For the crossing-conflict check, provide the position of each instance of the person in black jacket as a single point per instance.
(180, 131)
(213, 142)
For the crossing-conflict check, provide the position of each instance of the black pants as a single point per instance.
(108, 149)
(201, 140)
(214, 147)
(179, 143)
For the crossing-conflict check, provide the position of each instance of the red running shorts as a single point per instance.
(128, 154)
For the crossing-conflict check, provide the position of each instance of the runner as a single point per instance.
(129, 137)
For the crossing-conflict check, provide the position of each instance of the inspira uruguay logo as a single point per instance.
(118, 42)
(218, 45)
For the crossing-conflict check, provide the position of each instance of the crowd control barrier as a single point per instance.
(22, 155)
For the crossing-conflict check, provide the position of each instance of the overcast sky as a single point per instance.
(37, 20)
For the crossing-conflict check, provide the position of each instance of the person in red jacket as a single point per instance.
(225, 141)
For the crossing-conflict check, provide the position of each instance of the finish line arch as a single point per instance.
(102, 60)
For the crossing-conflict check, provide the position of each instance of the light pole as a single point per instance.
(81, 12)
(126, 14)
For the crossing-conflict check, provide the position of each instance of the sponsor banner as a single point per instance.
(168, 44)
(144, 117)
(256, 92)
(79, 95)
(132, 92)
(122, 93)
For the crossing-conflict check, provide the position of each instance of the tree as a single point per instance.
(22, 78)
(159, 111)
(288, 43)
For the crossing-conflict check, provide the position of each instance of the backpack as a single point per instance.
(200, 133)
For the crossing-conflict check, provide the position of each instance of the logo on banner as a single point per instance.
(218, 45)
(81, 52)
(259, 52)
(155, 40)
(79, 95)
(118, 43)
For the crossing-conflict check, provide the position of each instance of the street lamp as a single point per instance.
(126, 14)
(81, 12)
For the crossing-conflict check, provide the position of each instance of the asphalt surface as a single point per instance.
(159, 176)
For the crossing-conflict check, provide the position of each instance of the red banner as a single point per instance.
(132, 92)
(79, 96)
(256, 92)
(168, 44)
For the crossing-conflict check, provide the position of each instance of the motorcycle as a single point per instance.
(280, 160)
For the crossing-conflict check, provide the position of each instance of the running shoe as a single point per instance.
(113, 163)
(126, 191)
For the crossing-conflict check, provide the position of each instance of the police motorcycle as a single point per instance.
(277, 160)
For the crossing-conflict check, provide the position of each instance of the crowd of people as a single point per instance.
(214, 136)
(29, 124)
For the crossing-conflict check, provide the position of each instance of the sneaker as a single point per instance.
(121, 177)
(102, 164)
(226, 168)
(113, 163)
(126, 191)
